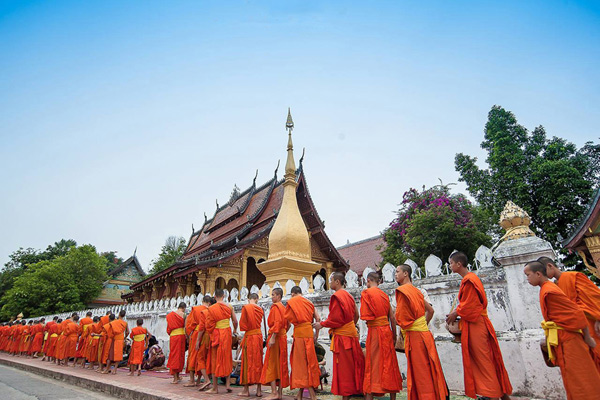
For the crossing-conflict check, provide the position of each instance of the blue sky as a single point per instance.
(122, 122)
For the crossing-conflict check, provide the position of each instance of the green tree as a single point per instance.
(550, 178)
(171, 251)
(112, 259)
(433, 221)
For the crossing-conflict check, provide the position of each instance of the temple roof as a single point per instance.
(131, 260)
(247, 217)
(363, 254)
(589, 224)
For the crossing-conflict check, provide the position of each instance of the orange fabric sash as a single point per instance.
(253, 332)
(303, 330)
(379, 321)
(348, 330)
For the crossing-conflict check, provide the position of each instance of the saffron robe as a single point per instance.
(71, 334)
(108, 341)
(203, 354)
(484, 371)
(252, 344)
(84, 324)
(574, 357)
(382, 374)
(175, 325)
(61, 341)
(221, 360)
(347, 353)
(25, 338)
(118, 328)
(191, 325)
(50, 347)
(305, 371)
(138, 345)
(94, 342)
(38, 339)
(582, 291)
(425, 377)
(275, 366)
(104, 320)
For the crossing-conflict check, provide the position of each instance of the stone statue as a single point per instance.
(244, 293)
(319, 283)
(265, 291)
(388, 272)
(234, 295)
(226, 295)
(351, 279)
(289, 285)
(254, 289)
(483, 257)
(433, 266)
(366, 273)
(304, 285)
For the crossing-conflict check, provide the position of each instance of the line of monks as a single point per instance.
(570, 307)
(89, 341)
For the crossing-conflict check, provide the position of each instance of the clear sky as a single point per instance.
(122, 122)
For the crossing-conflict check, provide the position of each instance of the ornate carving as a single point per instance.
(515, 221)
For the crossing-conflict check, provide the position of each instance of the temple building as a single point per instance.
(127, 273)
(585, 239)
(364, 253)
(264, 234)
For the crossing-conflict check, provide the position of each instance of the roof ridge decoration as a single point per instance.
(369, 239)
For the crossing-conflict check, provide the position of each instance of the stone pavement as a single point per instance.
(150, 386)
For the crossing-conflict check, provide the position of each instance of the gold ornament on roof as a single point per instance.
(515, 222)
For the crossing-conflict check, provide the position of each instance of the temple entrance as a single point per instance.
(323, 273)
(220, 283)
(232, 284)
(253, 274)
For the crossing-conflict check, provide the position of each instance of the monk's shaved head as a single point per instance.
(279, 291)
(373, 277)
(547, 260)
(253, 296)
(207, 299)
(338, 276)
(536, 266)
(296, 290)
(460, 257)
(219, 293)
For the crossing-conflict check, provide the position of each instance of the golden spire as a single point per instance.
(515, 222)
(290, 165)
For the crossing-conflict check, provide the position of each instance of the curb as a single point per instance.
(86, 383)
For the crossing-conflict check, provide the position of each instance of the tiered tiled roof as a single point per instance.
(241, 222)
(363, 254)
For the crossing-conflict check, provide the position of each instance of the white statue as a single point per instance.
(304, 285)
(254, 289)
(234, 295)
(483, 257)
(388, 272)
(351, 279)
(265, 291)
(366, 273)
(226, 295)
(244, 293)
(319, 283)
(289, 285)
(433, 266)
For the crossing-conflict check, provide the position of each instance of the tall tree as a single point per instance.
(550, 178)
(171, 251)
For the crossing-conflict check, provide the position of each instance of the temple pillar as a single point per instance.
(244, 271)
(593, 245)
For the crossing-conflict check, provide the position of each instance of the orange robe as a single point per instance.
(191, 330)
(104, 320)
(203, 354)
(108, 341)
(347, 353)
(382, 374)
(574, 357)
(582, 291)
(138, 346)
(252, 344)
(50, 349)
(275, 366)
(176, 331)
(23, 346)
(484, 371)
(38, 339)
(61, 341)
(425, 377)
(85, 324)
(71, 334)
(305, 370)
(118, 328)
(221, 360)
(94, 342)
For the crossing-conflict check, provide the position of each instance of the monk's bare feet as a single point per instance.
(244, 394)
(204, 387)
(274, 396)
(190, 384)
(130, 374)
(212, 391)
(105, 372)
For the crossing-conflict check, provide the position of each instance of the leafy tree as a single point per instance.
(550, 178)
(112, 259)
(433, 221)
(171, 251)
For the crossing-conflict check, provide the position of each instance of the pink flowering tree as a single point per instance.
(433, 221)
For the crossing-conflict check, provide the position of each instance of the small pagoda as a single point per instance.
(263, 234)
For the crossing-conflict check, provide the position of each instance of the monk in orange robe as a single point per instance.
(84, 324)
(348, 358)
(71, 334)
(382, 374)
(582, 291)
(252, 345)
(191, 332)
(104, 320)
(108, 341)
(61, 341)
(217, 325)
(176, 332)
(29, 334)
(93, 342)
(38, 339)
(484, 371)
(275, 367)
(139, 335)
(567, 336)
(305, 372)
(425, 377)
(202, 344)
(26, 335)
(118, 329)
(50, 346)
